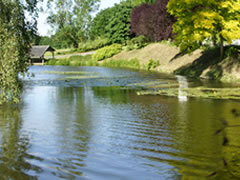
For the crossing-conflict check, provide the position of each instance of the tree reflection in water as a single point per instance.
(230, 144)
(15, 145)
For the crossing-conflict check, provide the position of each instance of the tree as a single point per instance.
(207, 20)
(153, 21)
(100, 22)
(118, 29)
(114, 23)
(14, 45)
(72, 19)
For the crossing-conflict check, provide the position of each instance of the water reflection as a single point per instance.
(183, 83)
(230, 141)
(61, 124)
(15, 143)
(91, 131)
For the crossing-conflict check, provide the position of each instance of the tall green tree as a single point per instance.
(100, 22)
(72, 19)
(118, 29)
(206, 20)
(14, 45)
(114, 23)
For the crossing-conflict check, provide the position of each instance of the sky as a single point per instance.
(44, 29)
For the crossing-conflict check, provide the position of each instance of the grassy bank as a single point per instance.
(164, 57)
(89, 61)
(205, 64)
(73, 61)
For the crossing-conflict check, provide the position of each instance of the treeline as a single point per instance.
(189, 24)
(118, 24)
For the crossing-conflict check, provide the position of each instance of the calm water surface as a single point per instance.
(88, 126)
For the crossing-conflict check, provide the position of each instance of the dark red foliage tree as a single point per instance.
(153, 21)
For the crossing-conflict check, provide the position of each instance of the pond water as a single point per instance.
(89, 123)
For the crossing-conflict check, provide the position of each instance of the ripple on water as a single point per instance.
(93, 129)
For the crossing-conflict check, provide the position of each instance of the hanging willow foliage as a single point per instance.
(14, 47)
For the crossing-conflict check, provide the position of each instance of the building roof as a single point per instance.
(37, 52)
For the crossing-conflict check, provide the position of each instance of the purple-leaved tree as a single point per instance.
(153, 21)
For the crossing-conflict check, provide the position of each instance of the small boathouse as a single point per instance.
(37, 53)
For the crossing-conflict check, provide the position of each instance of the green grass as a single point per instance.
(168, 42)
(82, 61)
(88, 61)
(74, 61)
(133, 63)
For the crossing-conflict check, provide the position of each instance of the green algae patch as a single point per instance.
(199, 92)
(74, 75)
(79, 77)
(67, 72)
(157, 84)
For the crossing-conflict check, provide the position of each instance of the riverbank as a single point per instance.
(166, 58)
(199, 64)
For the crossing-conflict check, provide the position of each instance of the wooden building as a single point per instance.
(37, 53)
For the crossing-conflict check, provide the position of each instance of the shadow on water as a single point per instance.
(229, 131)
(15, 145)
(114, 95)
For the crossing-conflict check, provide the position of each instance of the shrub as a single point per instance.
(151, 64)
(107, 52)
(137, 42)
(232, 52)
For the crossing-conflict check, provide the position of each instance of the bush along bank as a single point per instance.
(103, 57)
(107, 52)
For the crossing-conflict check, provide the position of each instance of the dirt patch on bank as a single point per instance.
(205, 64)
(168, 56)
